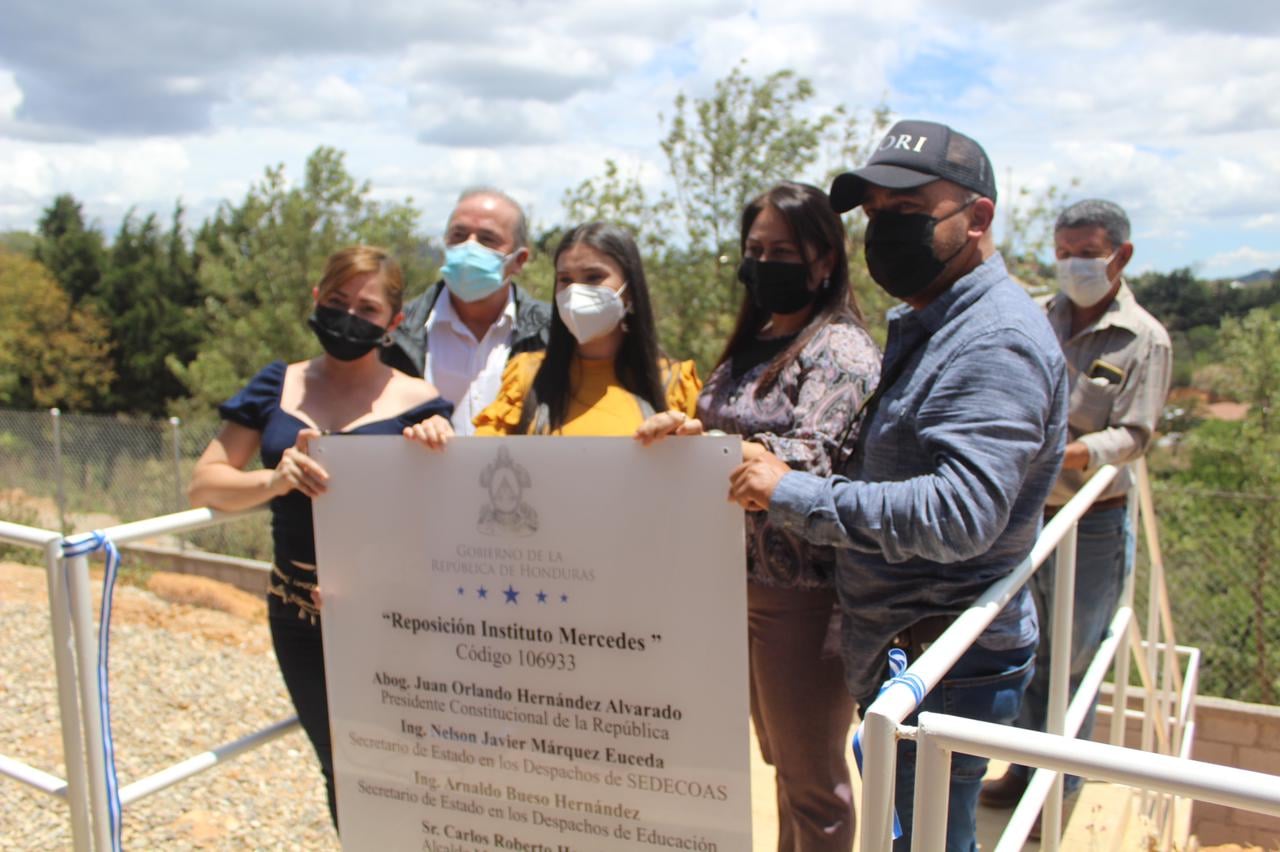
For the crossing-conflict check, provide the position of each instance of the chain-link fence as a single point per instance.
(1220, 553)
(77, 472)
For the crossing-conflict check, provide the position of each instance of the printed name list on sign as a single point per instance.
(535, 644)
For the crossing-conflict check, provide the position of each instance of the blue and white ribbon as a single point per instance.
(83, 545)
(898, 676)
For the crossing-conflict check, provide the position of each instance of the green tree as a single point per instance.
(71, 250)
(724, 150)
(21, 242)
(619, 198)
(258, 261)
(51, 353)
(721, 151)
(1178, 299)
(1236, 466)
(148, 295)
(1191, 309)
(1027, 236)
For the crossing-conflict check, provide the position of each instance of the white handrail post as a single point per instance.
(1120, 693)
(932, 796)
(77, 578)
(56, 416)
(75, 654)
(1064, 591)
(175, 431)
(1157, 672)
(64, 666)
(1134, 508)
(175, 437)
(879, 772)
(1153, 692)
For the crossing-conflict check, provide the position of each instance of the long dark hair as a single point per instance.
(636, 362)
(817, 230)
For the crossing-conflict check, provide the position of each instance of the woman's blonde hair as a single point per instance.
(354, 261)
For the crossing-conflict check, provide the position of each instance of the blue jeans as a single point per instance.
(986, 685)
(1102, 556)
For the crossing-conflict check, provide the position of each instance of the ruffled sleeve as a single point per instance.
(256, 401)
(502, 416)
(683, 385)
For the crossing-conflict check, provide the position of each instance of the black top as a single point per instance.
(759, 351)
(257, 407)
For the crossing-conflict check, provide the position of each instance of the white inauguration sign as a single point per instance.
(535, 644)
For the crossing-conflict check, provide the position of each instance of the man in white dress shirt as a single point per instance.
(461, 343)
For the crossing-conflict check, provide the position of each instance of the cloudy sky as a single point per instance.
(1170, 107)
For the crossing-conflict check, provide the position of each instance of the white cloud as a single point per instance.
(1177, 123)
(1232, 16)
(552, 69)
(10, 95)
(1244, 257)
(109, 178)
(184, 84)
(283, 96)
(24, 173)
(479, 122)
(164, 69)
(1167, 106)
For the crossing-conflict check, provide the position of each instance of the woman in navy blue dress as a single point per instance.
(346, 390)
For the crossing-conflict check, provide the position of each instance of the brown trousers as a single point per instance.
(802, 713)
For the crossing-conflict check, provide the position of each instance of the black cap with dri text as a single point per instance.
(912, 154)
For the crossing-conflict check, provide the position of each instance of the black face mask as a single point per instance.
(899, 251)
(776, 286)
(344, 336)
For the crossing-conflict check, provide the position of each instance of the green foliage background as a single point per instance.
(1220, 523)
(167, 319)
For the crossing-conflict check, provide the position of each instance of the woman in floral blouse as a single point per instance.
(791, 381)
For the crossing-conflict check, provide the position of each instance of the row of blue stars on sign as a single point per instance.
(511, 595)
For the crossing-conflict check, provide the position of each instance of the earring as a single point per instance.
(826, 283)
(386, 340)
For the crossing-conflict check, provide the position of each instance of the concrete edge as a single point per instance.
(250, 575)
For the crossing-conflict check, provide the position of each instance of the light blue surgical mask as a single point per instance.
(472, 271)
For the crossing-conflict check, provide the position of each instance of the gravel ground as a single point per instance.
(183, 679)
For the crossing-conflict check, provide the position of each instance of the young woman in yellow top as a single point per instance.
(602, 373)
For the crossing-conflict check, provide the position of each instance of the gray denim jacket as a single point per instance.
(947, 492)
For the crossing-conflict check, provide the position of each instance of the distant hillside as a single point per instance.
(1262, 276)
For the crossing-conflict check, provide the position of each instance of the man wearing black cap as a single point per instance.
(959, 447)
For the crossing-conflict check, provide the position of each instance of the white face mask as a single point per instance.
(590, 310)
(1084, 279)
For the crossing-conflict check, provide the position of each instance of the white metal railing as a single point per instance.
(938, 735)
(1168, 692)
(882, 721)
(75, 654)
(1164, 677)
(1167, 718)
